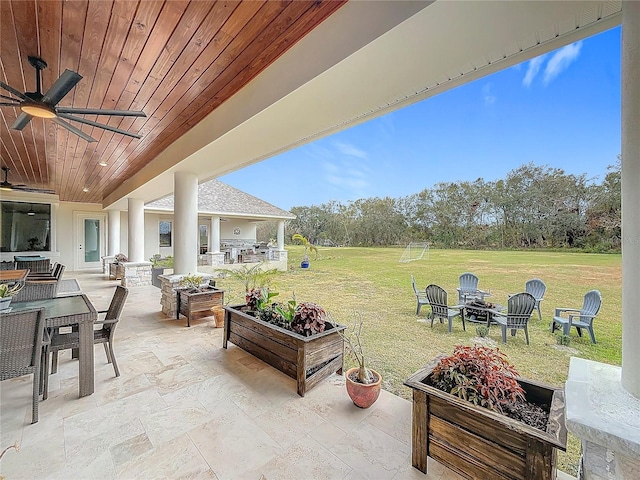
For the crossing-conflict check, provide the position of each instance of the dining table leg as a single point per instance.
(85, 364)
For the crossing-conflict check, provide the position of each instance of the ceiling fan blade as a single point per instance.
(75, 130)
(99, 125)
(14, 91)
(61, 87)
(9, 98)
(7, 104)
(21, 121)
(94, 111)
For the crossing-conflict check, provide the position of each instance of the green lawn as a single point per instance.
(373, 282)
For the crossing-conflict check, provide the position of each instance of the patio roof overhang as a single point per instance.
(423, 48)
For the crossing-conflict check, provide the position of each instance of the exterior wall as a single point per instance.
(248, 231)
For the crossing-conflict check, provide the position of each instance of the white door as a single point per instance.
(91, 240)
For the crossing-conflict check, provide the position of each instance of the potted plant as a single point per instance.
(363, 384)
(6, 294)
(195, 296)
(158, 266)
(116, 269)
(295, 338)
(469, 413)
(252, 277)
(308, 246)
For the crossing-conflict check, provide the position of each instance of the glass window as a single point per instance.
(25, 227)
(165, 234)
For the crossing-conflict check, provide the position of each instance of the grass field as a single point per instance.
(373, 282)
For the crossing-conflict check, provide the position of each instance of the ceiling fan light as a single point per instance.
(38, 110)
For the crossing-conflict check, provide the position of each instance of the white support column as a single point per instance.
(603, 401)
(214, 238)
(631, 197)
(280, 234)
(185, 219)
(136, 230)
(114, 232)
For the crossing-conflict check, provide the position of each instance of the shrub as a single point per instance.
(563, 340)
(482, 330)
(480, 375)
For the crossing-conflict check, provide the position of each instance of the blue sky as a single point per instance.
(560, 110)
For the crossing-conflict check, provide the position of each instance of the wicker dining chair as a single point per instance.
(105, 334)
(21, 344)
(34, 266)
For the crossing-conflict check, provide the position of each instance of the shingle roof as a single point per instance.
(222, 199)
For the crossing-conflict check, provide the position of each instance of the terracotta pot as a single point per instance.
(363, 396)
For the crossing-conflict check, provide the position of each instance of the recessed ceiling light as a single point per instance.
(85, 189)
(103, 164)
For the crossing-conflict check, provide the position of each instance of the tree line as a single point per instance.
(533, 207)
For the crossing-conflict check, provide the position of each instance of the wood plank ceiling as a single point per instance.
(176, 60)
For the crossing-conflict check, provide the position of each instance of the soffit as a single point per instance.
(175, 60)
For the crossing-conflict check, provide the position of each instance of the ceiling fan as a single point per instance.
(35, 104)
(6, 185)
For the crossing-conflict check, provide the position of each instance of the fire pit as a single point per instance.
(478, 310)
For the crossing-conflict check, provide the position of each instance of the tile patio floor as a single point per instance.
(184, 407)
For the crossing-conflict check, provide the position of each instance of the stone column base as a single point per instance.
(606, 418)
(215, 259)
(106, 261)
(136, 274)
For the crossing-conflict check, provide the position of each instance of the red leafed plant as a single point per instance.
(481, 375)
(309, 319)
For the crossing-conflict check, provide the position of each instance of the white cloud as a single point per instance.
(533, 69)
(352, 150)
(489, 98)
(347, 177)
(561, 60)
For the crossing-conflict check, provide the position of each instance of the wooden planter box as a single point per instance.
(476, 442)
(116, 271)
(203, 303)
(308, 360)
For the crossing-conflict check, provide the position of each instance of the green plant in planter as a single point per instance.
(192, 282)
(257, 298)
(480, 375)
(252, 277)
(308, 246)
(309, 318)
(7, 291)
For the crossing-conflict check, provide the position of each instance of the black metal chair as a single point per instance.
(21, 344)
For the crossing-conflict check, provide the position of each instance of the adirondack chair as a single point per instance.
(437, 298)
(579, 318)
(519, 310)
(535, 287)
(420, 296)
(468, 289)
